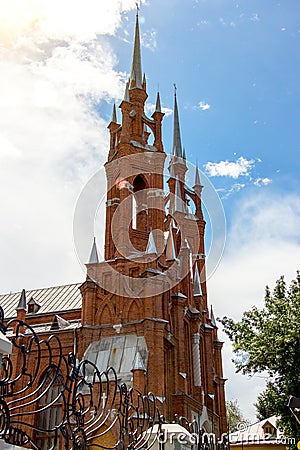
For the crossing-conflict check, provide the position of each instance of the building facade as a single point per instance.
(143, 310)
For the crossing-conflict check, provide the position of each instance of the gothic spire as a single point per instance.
(170, 247)
(22, 302)
(212, 316)
(151, 247)
(94, 254)
(126, 95)
(138, 363)
(197, 284)
(177, 147)
(171, 168)
(158, 104)
(197, 177)
(114, 114)
(178, 202)
(136, 66)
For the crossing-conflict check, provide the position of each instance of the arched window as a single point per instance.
(139, 204)
(49, 407)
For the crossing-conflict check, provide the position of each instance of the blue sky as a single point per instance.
(236, 66)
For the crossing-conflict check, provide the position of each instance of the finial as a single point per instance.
(175, 89)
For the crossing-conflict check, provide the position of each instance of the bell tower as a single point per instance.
(144, 308)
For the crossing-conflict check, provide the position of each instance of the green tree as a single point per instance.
(234, 415)
(269, 340)
(265, 405)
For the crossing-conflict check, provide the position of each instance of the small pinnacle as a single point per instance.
(197, 177)
(126, 96)
(94, 259)
(22, 302)
(151, 247)
(158, 104)
(114, 114)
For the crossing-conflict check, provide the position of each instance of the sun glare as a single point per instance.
(17, 15)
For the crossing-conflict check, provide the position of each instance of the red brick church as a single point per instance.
(143, 310)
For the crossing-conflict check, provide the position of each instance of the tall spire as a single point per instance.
(177, 147)
(136, 66)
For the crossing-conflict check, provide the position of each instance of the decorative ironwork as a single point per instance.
(48, 401)
(46, 397)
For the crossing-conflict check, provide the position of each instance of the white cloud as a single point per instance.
(148, 39)
(204, 106)
(262, 244)
(262, 181)
(150, 108)
(241, 167)
(236, 187)
(203, 22)
(54, 69)
(53, 20)
(255, 17)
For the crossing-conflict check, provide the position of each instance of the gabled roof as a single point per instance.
(255, 433)
(52, 299)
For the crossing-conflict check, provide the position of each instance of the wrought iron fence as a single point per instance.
(49, 400)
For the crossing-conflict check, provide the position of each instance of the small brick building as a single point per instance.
(143, 310)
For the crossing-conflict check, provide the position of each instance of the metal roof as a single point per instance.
(52, 299)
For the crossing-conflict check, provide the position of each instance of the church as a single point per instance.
(143, 310)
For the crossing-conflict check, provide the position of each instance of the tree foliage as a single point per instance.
(270, 337)
(234, 415)
(265, 405)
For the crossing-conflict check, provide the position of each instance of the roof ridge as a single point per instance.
(28, 291)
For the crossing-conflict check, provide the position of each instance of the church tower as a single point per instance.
(144, 308)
